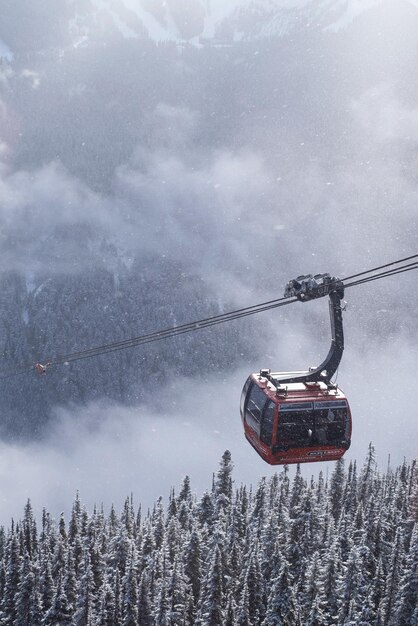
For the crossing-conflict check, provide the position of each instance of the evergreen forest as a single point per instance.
(336, 550)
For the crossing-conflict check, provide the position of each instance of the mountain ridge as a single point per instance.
(200, 22)
(196, 23)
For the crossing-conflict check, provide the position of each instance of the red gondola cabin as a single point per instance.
(308, 422)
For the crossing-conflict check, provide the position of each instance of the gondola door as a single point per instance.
(259, 416)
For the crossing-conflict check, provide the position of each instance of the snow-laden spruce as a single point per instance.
(337, 552)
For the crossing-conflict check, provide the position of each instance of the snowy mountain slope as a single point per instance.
(197, 21)
(259, 19)
(163, 21)
(348, 11)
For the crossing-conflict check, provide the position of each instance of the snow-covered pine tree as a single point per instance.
(367, 475)
(85, 614)
(406, 603)
(211, 611)
(60, 613)
(242, 614)
(29, 532)
(226, 565)
(106, 605)
(282, 606)
(336, 493)
(413, 502)
(12, 579)
(179, 592)
(387, 605)
(130, 592)
(193, 564)
(223, 482)
(145, 613)
(25, 593)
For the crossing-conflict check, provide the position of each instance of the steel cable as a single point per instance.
(208, 322)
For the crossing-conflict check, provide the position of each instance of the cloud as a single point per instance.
(41, 213)
(243, 215)
(382, 114)
(244, 222)
(379, 385)
(33, 78)
(206, 208)
(106, 452)
(4, 121)
(164, 201)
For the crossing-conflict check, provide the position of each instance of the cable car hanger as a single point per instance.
(306, 288)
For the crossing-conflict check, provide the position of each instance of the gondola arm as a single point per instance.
(308, 288)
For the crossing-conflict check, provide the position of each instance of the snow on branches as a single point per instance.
(342, 551)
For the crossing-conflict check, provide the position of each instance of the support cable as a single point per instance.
(208, 322)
